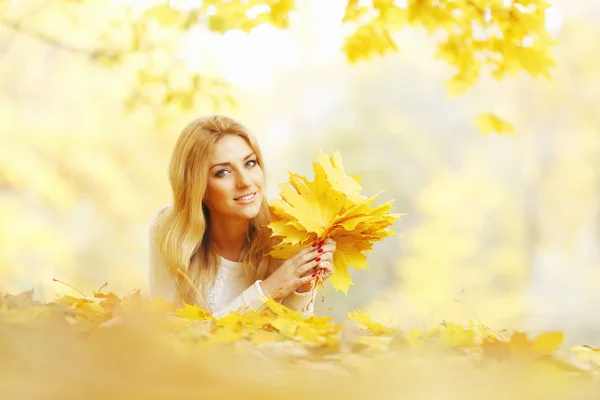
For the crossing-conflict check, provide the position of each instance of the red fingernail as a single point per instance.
(313, 275)
(314, 245)
(321, 243)
(320, 251)
(318, 259)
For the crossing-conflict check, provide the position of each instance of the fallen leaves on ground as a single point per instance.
(131, 348)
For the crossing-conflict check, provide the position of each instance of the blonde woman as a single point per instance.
(209, 248)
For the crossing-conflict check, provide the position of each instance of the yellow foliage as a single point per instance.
(330, 206)
(544, 344)
(375, 327)
(223, 16)
(150, 349)
(473, 36)
(488, 123)
(193, 312)
(507, 37)
(458, 336)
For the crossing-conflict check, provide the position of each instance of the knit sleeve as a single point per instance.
(301, 302)
(160, 281)
(252, 298)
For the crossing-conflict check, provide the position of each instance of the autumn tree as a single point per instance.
(150, 40)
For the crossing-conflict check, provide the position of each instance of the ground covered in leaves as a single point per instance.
(126, 347)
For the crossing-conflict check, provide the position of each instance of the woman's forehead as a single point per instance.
(230, 148)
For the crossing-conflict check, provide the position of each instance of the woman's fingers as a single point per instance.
(302, 254)
(311, 256)
(307, 279)
(330, 241)
(329, 247)
(310, 272)
(302, 269)
(327, 267)
(319, 253)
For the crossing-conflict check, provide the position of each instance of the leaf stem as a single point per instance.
(66, 284)
(98, 291)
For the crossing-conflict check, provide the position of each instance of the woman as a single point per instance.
(210, 247)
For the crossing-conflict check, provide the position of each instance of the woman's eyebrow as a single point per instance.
(228, 163)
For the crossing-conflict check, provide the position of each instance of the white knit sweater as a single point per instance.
(232, 290)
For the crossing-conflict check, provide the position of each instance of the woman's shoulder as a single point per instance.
(158, 214)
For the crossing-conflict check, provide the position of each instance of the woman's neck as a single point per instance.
(229, 237)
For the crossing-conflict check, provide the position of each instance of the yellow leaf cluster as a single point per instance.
(474, 36)
(222, 15)
(491, 123)
(331, 206)
(503, 37)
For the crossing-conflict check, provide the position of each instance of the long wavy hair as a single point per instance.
(183, 230)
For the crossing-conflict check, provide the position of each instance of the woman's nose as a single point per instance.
(243, 180)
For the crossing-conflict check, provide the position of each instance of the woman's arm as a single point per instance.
(252, 298)
(162, 284)
(301, 302)
(296, 301)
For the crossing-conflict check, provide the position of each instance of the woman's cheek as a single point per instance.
(259, 178)
(217, 193)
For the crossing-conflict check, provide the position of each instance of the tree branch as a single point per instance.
(55, 42)
(42, 37)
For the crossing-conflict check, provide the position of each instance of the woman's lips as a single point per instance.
(246, 199)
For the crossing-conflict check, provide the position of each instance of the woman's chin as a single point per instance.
(249, 211)
(246, 210)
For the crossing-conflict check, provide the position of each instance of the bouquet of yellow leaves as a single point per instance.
(331, 206)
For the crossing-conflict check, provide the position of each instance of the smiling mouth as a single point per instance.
(248, 197)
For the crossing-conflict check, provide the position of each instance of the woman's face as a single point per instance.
(235, 180)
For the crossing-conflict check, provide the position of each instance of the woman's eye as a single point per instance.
(249, 164)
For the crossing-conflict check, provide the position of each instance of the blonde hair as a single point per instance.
(182, 231)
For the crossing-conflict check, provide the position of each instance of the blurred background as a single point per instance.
(501, 229)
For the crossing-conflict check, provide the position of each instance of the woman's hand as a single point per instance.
(325, 266)
(299, 270)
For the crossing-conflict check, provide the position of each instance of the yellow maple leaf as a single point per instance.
(341, 279)
(488, 123)
(334, 173)
(260, 337)
(285, 326)
(330, 206)
(288, 232)
(193, 312)
(157, 306)
(375, 327)
(458, 336)
(313, 208)
(546, 343)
